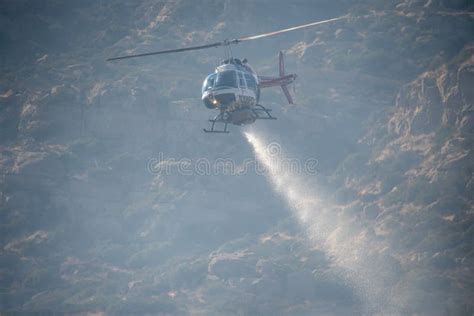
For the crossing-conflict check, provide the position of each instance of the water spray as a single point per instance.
(348, 246)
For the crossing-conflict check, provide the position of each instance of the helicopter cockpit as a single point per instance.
(229, 79)
(219, 88)
(226, 79)
(220, 80)
(208, 83)
(223, 87)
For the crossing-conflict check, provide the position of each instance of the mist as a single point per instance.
(346, 243)
(356, 200)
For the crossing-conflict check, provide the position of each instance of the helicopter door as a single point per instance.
(245, 94)
(242, 85)
(252, 87)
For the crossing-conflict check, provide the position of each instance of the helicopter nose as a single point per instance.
(209, 101)
(212, 100)
(225, 98)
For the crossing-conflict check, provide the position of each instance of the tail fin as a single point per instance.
(284, 87)
(283, 80)
(281, 64)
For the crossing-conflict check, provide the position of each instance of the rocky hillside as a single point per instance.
(384, 102)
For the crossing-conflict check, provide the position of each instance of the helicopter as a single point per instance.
(234, 87)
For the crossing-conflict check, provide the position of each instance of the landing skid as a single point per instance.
(260, 112)
(218, 119)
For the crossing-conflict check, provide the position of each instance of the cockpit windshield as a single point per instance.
(227, 79)
(209, 82)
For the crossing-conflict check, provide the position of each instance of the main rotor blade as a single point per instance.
(228, 42)
(169, 51)
(249, 38)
